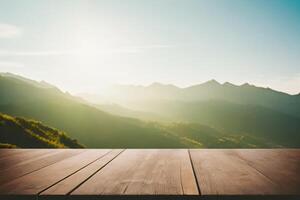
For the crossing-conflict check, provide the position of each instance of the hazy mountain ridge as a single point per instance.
(24, 133)
(95, 128)
(245, 109)
(211, 90)
(42, 84)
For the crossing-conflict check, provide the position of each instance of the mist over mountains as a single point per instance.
(208, 115)
(211, 90)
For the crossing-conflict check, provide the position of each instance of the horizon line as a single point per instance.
(210, 81)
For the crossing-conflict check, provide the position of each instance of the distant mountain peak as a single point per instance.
(228, 84)
(246, 84)
(212, 82)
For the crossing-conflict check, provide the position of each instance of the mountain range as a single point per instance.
(210, 115)
(244, 109)
(211, 90)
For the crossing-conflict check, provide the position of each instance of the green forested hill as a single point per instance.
(201, 136)
(242, 119)
(23, 133)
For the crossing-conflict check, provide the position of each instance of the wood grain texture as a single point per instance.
(9, 152)
(23, 156)
(222, 172)
(40, 180)
(35, 163)
(67, 185)
(281, 166)
(140, 172)
(72, 172)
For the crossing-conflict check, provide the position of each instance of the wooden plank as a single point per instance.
(31, 155)
(36, 182)
(67, 185)
(9, 152)
(142, 172)
(36, 163)
(14, 159)
(282, 166)
(222, 172)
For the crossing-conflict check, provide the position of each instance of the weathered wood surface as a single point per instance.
(143, 172)
(34, 164)
(47, 172)
(67, 185)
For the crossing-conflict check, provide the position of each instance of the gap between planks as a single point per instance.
(96, 171)
(74, 172)
(194, 173)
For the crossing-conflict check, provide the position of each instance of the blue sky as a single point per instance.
(86, 45)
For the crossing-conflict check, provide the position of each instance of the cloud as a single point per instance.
(85, 52)
(33, 53)
(9, 31)
(64, 52)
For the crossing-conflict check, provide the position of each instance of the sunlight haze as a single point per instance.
(86, 46)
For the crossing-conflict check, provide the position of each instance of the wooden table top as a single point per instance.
(200, 172)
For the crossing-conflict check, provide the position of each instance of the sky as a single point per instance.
(83, 46)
